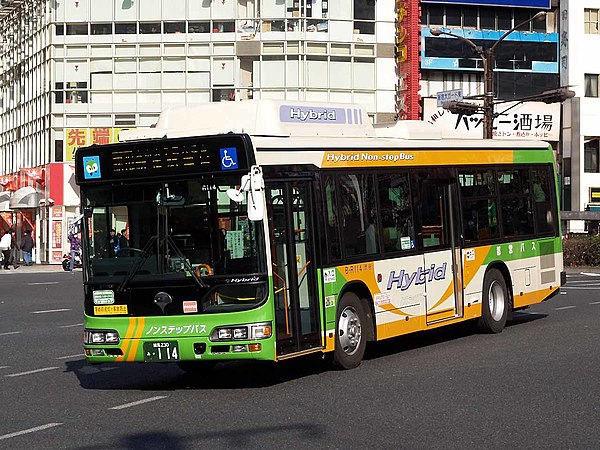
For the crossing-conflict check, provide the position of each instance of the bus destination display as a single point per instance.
(142, 161)
(169, 157)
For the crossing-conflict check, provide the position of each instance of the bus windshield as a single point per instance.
(168, 231)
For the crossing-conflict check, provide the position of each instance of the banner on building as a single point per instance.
(541, 4)
(82, 137)
(527, 121)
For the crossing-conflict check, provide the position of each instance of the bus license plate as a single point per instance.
(161, 351)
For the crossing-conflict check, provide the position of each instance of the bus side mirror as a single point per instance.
(253, 185)
(256, 194)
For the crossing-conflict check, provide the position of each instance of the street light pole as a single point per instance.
(488, 60)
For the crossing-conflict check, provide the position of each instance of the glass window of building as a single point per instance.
(364, 16)
(199, 27)
(469, 16)
(590, 20)
(453, 16)
(101, 28)
(174, 27)
(77, 29)
(436, 15)
(125, 28)
(150, 28)
(487, 18)
(504, 16)
(591, 155)
(591, 85)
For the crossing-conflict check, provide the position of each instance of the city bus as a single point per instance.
(268, 230)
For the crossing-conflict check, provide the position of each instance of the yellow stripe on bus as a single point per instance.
(383, 158)
(136, 340)
(531, 298)
(127, 339)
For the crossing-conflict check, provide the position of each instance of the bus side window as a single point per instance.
(541, 198)
(331, 216)
(358, 214)
(396, 214)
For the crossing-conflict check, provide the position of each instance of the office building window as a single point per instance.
(591, 155)
(364, 16)
(77, 29)
(174, 27)
(591, 85)
(125, 28)
(150, 28)
(101, 28)
(590, 20)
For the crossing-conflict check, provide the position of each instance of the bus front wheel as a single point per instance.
(350, 338)
(495, 303)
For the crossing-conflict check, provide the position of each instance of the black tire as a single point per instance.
(65, 264)
(495, 303)
(350, 335)
(197, 367)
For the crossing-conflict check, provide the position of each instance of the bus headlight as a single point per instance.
(100, 337)
(242, 332)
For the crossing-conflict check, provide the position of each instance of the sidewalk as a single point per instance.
(36, 268)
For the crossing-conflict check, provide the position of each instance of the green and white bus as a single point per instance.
(267, 230)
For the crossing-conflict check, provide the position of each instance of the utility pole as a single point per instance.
(488, 57)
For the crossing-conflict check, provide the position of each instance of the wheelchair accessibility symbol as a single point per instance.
(229, 159)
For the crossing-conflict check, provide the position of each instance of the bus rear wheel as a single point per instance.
(350, 337)
(494, 308)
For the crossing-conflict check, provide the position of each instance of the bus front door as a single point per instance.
(438, 228)
(297, 314)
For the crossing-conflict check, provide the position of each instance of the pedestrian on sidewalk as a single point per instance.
(5, 246)
(75, 244)
(27, 246)
(14, 250)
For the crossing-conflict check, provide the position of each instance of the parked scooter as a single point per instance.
(67, 261)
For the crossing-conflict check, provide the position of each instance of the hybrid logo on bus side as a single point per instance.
(311, 114)
(405, 280)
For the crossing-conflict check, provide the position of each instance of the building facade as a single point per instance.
(580, 37)
(525, 64)
(76, 73)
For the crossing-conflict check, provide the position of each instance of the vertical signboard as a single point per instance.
(407, 59)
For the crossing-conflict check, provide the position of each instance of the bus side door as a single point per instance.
(438, 233)
(297, 314)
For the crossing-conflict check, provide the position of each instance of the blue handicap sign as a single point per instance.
(229, 159)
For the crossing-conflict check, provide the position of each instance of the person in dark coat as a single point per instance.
(27, 246)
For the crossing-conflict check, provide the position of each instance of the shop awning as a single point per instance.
(25, 197)
(5, 201)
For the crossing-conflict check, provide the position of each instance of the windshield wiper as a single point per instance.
(140, 260)
(186, 262)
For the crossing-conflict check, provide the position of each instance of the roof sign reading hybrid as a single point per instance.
(320, 115)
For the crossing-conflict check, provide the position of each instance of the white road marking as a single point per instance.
(29, 372)
(590, 274)
(563, 293)
(46, 282)
(4, 367)
(595, 303)
(565, 307)
(30, 430)
(9, 333)
(71, 326)
(51, 311)
(71, 356)
(139, 402)
(581, 288)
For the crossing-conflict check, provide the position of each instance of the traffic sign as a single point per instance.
(454, 95)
